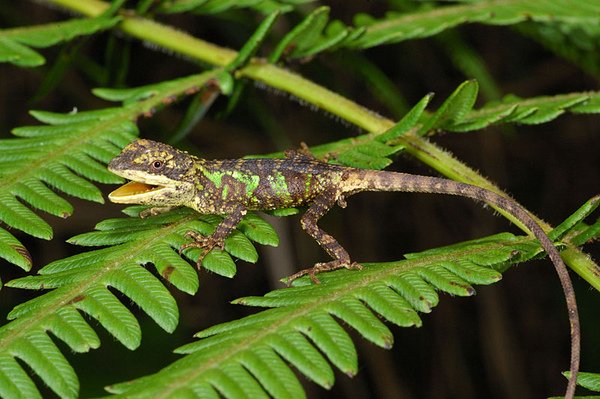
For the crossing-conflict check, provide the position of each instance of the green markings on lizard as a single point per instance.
(224, 193)
(216, 177)
(307, 183)
(279, 186)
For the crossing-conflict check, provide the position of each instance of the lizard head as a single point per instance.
(159, 174)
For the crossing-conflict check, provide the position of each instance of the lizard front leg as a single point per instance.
(156, 210)
(217, 238)
(340, 256)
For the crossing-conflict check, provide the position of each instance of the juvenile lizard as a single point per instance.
(165, 177)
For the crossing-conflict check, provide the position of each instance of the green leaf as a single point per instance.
(240, 246)
(587, 234)
(590, 381)
(16, 215)
(587, 380)
(14, 381)
(433, 20)
(357, 159)
(305, 32)
(15, 43)
(13, 251)
(217, 261)
(529, 111)
(101, 304)
(258, 230)
(584, 211)
(454, 109)
(284, 212)
(253, 43)
(305, 325)
(358, 316)
(407, 122)
(220, 6)
(18, 54)
(314, 35)
(41, 354)
(143, 288)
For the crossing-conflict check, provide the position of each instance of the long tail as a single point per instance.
(366, 180)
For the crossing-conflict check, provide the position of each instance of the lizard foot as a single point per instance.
(207, 243)
(323, 267)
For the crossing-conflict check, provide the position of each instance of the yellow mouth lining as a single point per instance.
(133, 188)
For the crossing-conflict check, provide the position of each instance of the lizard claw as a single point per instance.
(323, 267)
(206, 243)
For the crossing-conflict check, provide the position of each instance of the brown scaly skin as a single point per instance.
(165, 177)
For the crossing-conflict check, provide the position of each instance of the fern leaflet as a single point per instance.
(430, 21)
(218, 6)
(13, 251)
(15, 43)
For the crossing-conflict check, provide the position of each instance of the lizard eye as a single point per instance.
(157, 165)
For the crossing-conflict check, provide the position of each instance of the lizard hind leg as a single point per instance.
(341, 258)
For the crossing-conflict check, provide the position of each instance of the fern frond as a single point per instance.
(428, 22)
(219, 6)
(80, 284)
(71, 150)
(531, 111)
(304, 327)
(316, 33)
(16, 43)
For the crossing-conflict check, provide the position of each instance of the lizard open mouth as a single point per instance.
(131, 190)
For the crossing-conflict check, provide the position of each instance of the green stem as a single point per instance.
(90, 8)
(313, 93)
(582, 265)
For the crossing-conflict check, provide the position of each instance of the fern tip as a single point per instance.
(21, 250)
(388, 342)
(239, 301)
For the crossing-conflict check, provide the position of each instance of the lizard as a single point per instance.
(165, 178)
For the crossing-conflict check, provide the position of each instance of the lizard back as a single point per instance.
(265, 184)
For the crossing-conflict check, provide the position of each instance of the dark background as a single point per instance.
(511, 340)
